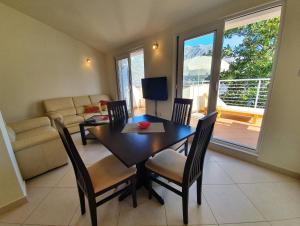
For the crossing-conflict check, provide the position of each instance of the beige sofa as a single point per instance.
(70, 110)
(37, 146)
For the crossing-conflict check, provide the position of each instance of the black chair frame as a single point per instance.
(182, 110)
(193, 170)
(83, 180)
(117, 111)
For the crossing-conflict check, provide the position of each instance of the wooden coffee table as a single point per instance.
(96, 120)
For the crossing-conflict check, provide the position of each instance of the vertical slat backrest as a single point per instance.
(82, 176)
(182, 110)
(117, 111)
(194, 163)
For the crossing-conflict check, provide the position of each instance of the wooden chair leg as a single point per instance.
(199, 190)
(82, 200)
(93, 211)
(149, 184)
(186, 148)
(133, 191)
(185, 205)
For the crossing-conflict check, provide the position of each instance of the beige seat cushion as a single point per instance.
(72, 119)
(34, 137)
(169, 164)
(178, 145)
(108, 172)
(96, 98)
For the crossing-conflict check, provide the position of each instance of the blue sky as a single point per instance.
(208, 40)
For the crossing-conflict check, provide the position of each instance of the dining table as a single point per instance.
(134, 148)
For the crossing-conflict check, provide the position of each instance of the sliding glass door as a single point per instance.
(130, 71)
(198, 69)
(227, 68)
(124, 81)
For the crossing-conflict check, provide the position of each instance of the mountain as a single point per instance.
(194, 51)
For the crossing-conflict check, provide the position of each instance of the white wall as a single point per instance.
(12, 186)
(38, 62)
(281, 138)
(280, 143)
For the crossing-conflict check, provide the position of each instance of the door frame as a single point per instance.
(218, 29)
(124, 56)
(121, 57)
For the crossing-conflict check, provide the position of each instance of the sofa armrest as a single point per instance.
(53, 116)
(29, 124)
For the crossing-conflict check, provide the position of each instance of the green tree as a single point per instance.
(253, 57)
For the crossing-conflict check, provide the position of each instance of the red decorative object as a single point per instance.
(105, 117)
(91, 109)
(144, 125)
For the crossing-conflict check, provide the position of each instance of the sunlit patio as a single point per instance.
(239, 130)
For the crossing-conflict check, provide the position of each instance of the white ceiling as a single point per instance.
(107, 24)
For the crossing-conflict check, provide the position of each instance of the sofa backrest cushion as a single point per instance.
(11, 134)
(80, 103)
(96, 98)
(29, 124)
(63, 106)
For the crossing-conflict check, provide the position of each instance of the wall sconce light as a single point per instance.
(88, 60)
(155, 45)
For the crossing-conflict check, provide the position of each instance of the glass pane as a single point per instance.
(124, 82)
(197, 73)
(248, 50)
(137, 74)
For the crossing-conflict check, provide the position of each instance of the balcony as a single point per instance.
(240, 104)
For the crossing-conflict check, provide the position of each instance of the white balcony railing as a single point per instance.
(236, 92)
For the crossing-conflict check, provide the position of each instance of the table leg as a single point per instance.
(142, 182)
(82, 133)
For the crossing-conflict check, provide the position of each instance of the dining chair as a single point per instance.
(117, 111)
(182, 170)
(181, 114)
(99, 178)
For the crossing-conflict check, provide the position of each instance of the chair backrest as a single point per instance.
(117, 111)
(82, 176)
(194, 163)
(182, 110)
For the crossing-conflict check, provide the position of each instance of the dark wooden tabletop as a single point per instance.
(133, 148)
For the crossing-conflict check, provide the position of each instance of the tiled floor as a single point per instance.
(234, 193)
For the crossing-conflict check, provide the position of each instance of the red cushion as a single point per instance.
(91, 109)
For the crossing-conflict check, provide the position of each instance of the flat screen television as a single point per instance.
(155, 88)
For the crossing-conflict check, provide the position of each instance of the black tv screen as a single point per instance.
(155, 88)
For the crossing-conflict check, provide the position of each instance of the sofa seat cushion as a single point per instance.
(34, 137)
(88, 115)
(72, 119)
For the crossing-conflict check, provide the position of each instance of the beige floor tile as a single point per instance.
(216, 156)
(197, 214)
(68, 180)
(19, 215)
(107, 215)
(275, 200)
(292, 222)
(56, 209)
(230, 205)
(248, 224)
(49, 179)
(7, 224)
(243, 172)
(214, 174)
(147, 213)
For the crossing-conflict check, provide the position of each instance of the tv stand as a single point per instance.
(155, 107)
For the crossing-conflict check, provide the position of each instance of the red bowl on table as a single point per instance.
(143, 125)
